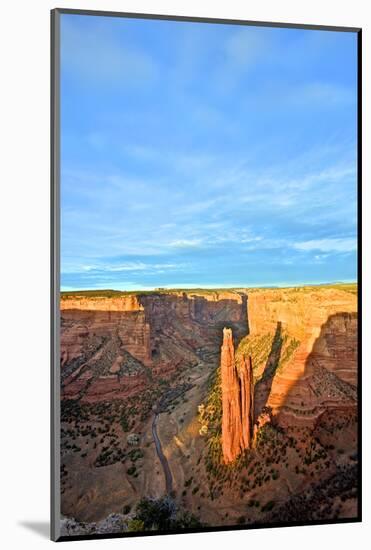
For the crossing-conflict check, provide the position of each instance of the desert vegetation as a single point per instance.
(285, 469)
(162, 514)
(280, 347)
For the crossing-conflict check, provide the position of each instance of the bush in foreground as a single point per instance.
(161, 514)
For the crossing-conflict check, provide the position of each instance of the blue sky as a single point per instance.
(201, 155)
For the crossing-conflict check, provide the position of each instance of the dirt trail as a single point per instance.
(162, 457)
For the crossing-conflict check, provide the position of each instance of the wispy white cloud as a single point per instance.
(195, 159)
(132, 266)
(97, 57)
(186, 243)
(125, 225)
(174, 159)
(245, 46)
(239, 54)
(102, 270)
(325, 94)
(347, 244)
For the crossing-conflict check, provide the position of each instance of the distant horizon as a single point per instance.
(195, 153)
(203, 287)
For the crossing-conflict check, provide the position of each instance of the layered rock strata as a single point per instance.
(237, 400)
(322, 371)
(112, 347)
(247, 400)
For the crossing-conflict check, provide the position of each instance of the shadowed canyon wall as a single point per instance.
(292, 364)
(329, 378)
(323, 322)
(112, 347)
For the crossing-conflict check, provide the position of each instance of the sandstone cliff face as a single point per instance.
(130, 302)
(322, 371)
(110, 347)
(247, 401)
(237, 400)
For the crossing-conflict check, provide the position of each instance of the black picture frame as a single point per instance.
(55, 263)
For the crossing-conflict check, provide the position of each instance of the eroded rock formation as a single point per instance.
(247, 400)
(237, 400)
(112, 347)
(322, 370)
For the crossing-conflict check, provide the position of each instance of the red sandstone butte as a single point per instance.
(237, 400)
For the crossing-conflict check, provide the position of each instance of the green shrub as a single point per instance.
(188, 482)
(156, 513)
(268, 506)
(241, 520)
(135, 525)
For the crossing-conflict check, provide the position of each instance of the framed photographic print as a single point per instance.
(206, 191)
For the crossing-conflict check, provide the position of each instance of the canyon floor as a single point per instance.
(136, 367)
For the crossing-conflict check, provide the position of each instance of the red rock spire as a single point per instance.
(237, 400)
(247, 400)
